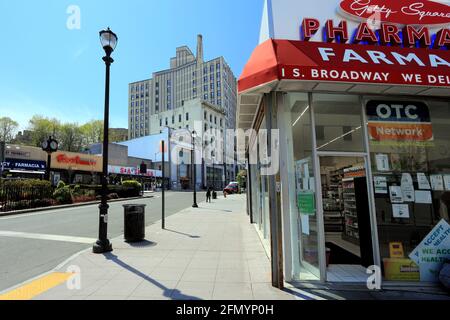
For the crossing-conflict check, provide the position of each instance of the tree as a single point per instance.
(92, 132)
(71, 137)
(242, 179)
(8, 129)
(41, 128)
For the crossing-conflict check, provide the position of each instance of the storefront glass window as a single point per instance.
(410, 155)
(338, 123)
(303, 208)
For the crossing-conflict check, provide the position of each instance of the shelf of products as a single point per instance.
(351, 230)
(332, 202)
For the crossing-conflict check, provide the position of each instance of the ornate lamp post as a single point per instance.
(108, 40)
(49, 146)
(194, 135)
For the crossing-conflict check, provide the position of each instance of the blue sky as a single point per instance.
(48, 69)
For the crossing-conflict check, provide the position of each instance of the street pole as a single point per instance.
(103, 245)
(163, 222)
(194, 205)
(2, 157)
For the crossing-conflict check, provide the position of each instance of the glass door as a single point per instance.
(346, 217)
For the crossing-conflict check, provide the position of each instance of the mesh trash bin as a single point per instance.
(134, 222)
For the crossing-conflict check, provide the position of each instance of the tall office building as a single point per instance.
(189, 77)
(192, 91)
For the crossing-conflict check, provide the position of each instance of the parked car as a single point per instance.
(231, 188)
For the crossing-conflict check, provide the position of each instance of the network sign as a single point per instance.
(399, 122)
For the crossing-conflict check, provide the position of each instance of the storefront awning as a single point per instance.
(285, 65)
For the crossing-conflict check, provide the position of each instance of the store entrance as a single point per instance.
(346, 214)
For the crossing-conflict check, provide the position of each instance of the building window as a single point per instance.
(173, 119)
(160, 122)
(187, 116)
(179, 118)
(205, 116)
(221, 122)
(167, 121)
(210, 118)
(215, 120)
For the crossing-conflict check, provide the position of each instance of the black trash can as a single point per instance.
(134, 222)
(214, 195)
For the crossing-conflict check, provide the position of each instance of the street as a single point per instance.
(32, 244)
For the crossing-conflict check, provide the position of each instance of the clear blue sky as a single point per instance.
(48, 69)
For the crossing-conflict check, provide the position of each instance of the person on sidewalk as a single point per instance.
(208, 195)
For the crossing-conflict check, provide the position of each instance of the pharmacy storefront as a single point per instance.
(358, 91)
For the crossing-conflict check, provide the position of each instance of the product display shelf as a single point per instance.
(351, 229)
(332, 203)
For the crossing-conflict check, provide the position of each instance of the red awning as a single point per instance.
(276, 60)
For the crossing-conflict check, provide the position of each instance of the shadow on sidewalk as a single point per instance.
(142, 244)
(182, 233)
(167, 292)
(221, 210)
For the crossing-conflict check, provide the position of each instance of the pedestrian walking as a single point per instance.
(208, 195)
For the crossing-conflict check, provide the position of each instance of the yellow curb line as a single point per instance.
(37, 287)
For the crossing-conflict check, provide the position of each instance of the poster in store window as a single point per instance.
(396, 195)
(382, 161)
(437, 182)
(432, 252)
(381, 186)
(306, 203)
(447, 182)
(400, 211)
(407, 187)
(423, 197)
(422, 180)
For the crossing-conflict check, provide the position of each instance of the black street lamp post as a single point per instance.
(50, 145)
(108, 40)
(194, 135)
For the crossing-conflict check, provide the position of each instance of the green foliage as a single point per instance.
(130, 188)
(41, 128)
(132, 184)
(242, 178)
(8, 128)
(26, 188)
(61, 184)
(63, 195)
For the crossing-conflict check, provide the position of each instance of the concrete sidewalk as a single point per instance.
(212, 252)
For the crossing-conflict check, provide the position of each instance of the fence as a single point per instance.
(18, 197)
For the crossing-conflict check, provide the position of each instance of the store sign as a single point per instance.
(412, 12)
(133, 171)
(63, 158)
(432, 252)
(317, 61)
(22, 164)
(76, 162)
(385, 34)
(403, 122)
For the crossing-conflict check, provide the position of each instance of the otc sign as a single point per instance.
(418, 12)
(399, 122)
